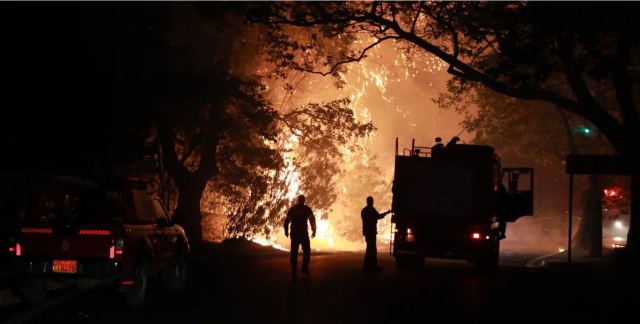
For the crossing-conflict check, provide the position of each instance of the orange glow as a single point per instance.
(476, 236)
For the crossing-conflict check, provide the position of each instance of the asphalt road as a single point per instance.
(227, 288)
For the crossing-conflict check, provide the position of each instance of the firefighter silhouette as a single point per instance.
(438, 147)
(298, 216)
(370, 217)
(453, 141)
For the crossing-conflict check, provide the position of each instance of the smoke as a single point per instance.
(541, 234)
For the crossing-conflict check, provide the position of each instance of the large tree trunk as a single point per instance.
(588, 239)
(190, 185)
(188, 213)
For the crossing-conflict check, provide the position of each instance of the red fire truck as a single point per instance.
(65, 228)
(453, 202)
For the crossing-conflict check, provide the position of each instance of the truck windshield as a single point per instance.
(52, 201)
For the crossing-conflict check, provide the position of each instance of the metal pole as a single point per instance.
(396, 146)
(570, 216)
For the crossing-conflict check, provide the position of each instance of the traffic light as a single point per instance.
(584, 130)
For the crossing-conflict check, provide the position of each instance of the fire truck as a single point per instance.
(453, 202)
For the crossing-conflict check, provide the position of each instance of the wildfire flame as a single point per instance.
(360, 80)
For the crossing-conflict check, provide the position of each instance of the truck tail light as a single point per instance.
(16, 249)
(410, 236)
(478, 236)
(116, 248)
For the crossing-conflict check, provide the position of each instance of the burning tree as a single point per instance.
(312, 141)
(516, 49)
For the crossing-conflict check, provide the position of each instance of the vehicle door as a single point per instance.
(146, 223)
(167, 240)
(520, 190)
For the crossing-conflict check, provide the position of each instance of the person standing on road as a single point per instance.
(298, 216)
(370, 217)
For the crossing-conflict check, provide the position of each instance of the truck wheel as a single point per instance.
(490, 258)
(32, 291)
(137, 294)
(175, 277)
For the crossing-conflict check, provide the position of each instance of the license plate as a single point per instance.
(65, 266)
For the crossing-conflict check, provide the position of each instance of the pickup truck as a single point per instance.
(69, 228)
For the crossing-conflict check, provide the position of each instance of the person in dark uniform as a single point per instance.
(438, 148)
(370, 217)
(298, 216)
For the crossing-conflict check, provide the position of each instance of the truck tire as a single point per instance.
(138, 293)
(32, 291)
(489, 259)
(175, 277)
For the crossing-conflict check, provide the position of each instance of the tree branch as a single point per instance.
(598, 117)
(196, 141)
(574, 78)
(208, 162)
(352, 59)
(169, 155)
(622, 83)
(415, 19)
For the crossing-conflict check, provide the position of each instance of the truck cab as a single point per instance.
(454, 202)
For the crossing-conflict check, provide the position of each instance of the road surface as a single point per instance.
(227, 288)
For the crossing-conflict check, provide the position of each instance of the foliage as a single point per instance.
(364, 177)
(314, 137)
